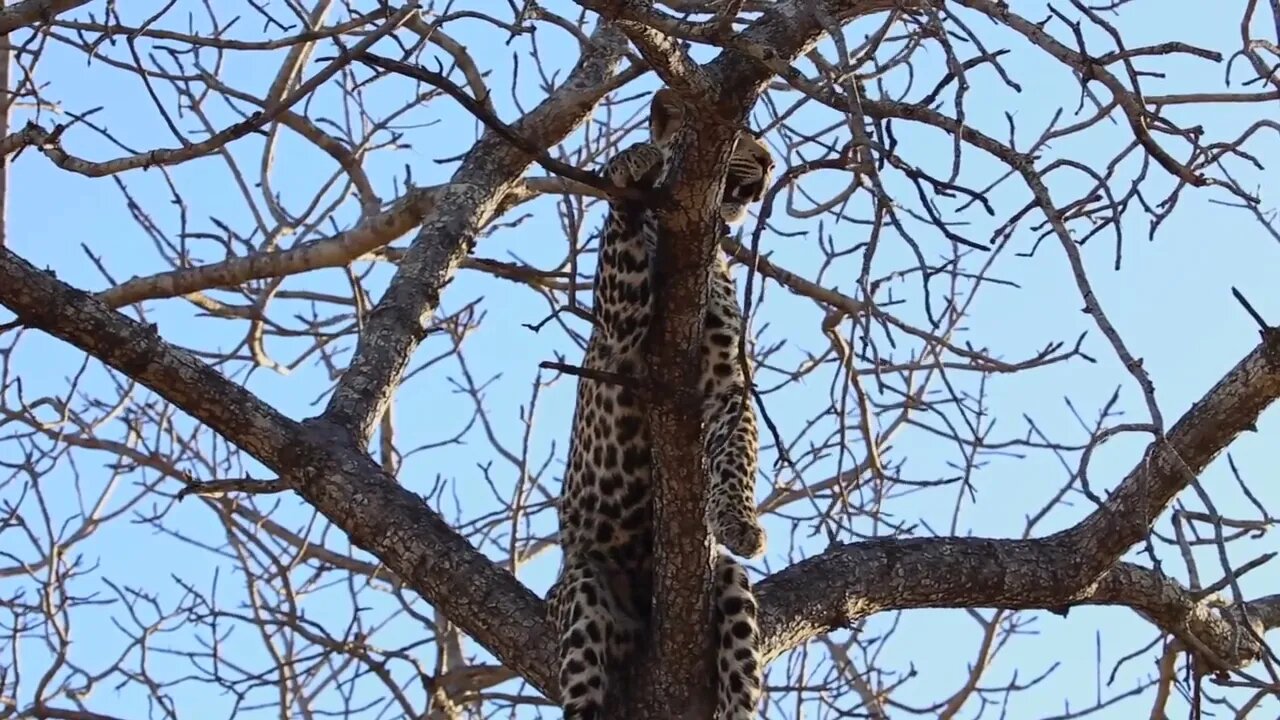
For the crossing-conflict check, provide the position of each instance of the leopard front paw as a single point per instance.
(640, 166)
(744, 539)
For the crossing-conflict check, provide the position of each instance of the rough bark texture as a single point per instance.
(492, 168)
(316, 458)
(684, 667)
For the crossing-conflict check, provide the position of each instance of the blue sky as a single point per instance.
(1170, 301)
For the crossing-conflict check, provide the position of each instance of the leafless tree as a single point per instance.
(297, 293)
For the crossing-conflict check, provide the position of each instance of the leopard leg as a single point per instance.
(595, 635)
(641, 166)
(732, 443)
(738, 656)
(732, 448)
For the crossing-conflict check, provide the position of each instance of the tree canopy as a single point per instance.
(296, 291)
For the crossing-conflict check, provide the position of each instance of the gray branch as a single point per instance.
(490, 170)
(28, 12)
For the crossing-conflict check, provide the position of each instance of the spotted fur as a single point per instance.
(601, 601)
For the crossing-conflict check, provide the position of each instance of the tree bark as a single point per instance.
(491, 169)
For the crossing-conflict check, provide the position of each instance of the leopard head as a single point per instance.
(750, 167)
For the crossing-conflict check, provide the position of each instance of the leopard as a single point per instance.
(601, 601)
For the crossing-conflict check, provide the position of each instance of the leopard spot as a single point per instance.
(604, 533)
(635, 459)
(721, 340)
(628, 428)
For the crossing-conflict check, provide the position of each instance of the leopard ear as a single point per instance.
(666, 115)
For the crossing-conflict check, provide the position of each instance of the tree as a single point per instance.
(303, 462)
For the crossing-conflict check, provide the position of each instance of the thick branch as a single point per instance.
(317, 460)
(1167, 467)
(371, 234)
(654, 35)
(682, 628)
(849, 583)
(490, 170)
(830, 590)
(29, 11)
(681, 632)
